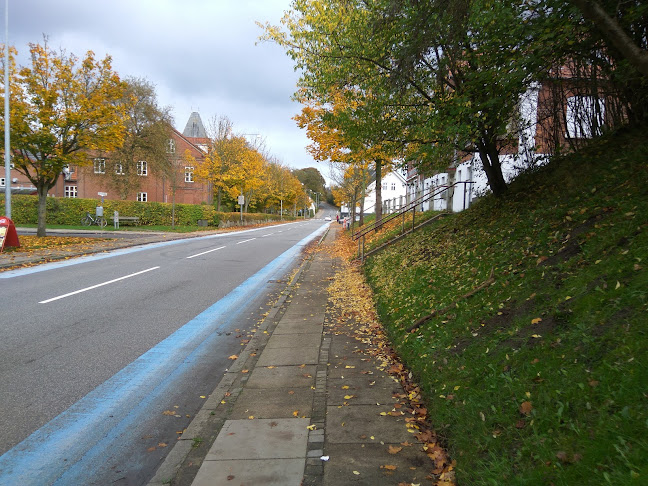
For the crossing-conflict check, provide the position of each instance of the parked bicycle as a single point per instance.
(89, 220)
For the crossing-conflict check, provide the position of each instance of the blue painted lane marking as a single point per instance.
(62, 451)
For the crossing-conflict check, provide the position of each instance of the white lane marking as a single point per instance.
(96, 286)
(205, 252)
(269, 234)
(245, 241)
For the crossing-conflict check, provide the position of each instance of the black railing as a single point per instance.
(410, 206)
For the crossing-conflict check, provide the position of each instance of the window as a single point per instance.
(142, 168)
(70, 191)
(189, 174)
(99, 166)
(171, 146)
(2, 181)
(119, 168)
(142, 196)
(585, 116)
(384, 186)
(393, 186)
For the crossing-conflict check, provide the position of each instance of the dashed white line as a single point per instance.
(269, 234)
(245, 241)
(205, 252)
(97, 286)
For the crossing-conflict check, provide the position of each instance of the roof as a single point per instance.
(195, 127)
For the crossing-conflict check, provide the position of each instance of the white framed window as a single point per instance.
(142, 168)
(71, 191)
(142, 196)
(189, 175)
(2, 181)
(99, 166)
(171, 146)
(585, 116)
(119, 168)
(393, 186)
(384, 186)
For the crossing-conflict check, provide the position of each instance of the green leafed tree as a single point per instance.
(146, 138)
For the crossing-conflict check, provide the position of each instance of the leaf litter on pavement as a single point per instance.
(352, 299)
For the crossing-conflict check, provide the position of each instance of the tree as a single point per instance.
(615, 34)
(62, 110)
(146, 137)
(311, 178)
(232, 165)
(431, 77)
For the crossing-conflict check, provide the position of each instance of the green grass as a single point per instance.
(567, 245)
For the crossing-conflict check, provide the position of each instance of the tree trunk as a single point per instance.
(492, 166)
(378, 207)
(42, 210)
(219, 195)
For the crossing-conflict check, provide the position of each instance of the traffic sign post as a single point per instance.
(8, 234)
(241, 201)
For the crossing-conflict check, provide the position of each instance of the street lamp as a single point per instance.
(7, 156)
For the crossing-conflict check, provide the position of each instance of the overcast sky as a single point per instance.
(200, 55)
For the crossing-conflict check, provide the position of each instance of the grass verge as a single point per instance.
(540, 377)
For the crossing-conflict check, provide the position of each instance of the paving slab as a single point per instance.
(264, 403)
(358, 423)
(310, 340)
(360, 464)
(274, 438)
(282, 377)
(289, 356)
(299, 326)
(266, 472)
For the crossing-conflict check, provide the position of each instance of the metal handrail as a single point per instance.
(407, 207)
(411, 206)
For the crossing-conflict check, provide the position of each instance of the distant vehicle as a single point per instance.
(328, 218)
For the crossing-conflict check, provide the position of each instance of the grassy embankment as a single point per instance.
(542, 376)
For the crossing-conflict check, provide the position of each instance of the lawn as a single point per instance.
(540, 375)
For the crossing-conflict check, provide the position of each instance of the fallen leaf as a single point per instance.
(536, 320)
(394, 450)
(233, 357)
(356, 473)
(162, 444)
(389, 467)
(168, 412)
(526, 407)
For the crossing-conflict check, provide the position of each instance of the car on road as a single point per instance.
(328, 218)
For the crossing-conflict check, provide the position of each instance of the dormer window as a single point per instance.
(171, 146)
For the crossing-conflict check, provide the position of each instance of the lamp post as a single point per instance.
(7, 156)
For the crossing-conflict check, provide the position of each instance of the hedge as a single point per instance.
(69, 211)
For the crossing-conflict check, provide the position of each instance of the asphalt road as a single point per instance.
(94, 350)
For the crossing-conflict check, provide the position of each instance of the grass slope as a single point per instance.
(541, 377)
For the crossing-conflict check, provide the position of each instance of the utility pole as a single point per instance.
(7, 117)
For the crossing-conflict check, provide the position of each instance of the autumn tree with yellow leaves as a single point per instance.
(61, 108)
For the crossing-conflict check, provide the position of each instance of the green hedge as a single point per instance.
(69, 211)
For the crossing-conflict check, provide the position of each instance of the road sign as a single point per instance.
(8, 235)
(241, 200)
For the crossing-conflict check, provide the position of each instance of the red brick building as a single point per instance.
(101, 176)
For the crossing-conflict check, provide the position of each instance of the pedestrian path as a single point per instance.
(302, 405)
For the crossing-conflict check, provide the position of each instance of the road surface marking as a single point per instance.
(96, 286)
(269, 234)
(205, 252)
(245, 241)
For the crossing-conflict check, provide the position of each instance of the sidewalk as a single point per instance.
(302, 405)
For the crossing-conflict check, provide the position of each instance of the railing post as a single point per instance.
(363, 248)
(413, 216)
